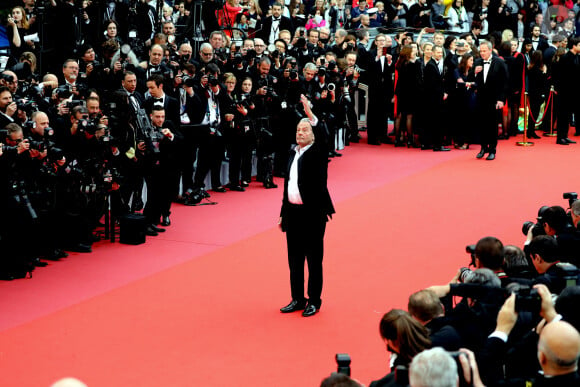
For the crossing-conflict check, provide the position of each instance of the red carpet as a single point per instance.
(198, 304)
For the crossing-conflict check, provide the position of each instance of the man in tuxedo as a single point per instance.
(538, 42)
(155, 85)
(272, 25)
(160, 153)
(306, 207)
(567, 88)
(380, 91)
(435, 94)
(491, 77)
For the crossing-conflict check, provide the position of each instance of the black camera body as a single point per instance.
(528, 299)
(343, 363)
(538, 228)
(571, 197)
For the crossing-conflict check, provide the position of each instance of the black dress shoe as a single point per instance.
(534, 135)
(426, 147)
(238, 188)
(245, 184)
(336, 154)
(310, 310)
(165, 221)
(441, 149)
(569, 141)
(157, 229)
(219, 189)
(562, 142)
(490, 156)
(79, 248)
(330, 154)
(270, 184)
(150, 231)
(38, 263)
(480, 154)
(293, 306)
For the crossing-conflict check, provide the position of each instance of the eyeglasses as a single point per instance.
(259, 45)
(207, 53)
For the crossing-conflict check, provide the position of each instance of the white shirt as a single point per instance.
(486, 67)
(293, 191)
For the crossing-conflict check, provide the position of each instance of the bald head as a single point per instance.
(69, 382)
(559, 348)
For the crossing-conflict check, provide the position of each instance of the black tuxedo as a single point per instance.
(380, 94)
(542, 44)
(491, 91)
(434, 90)
(161, 174)
(4, 120)
(305, 224)
(264, 33)
(171, 107)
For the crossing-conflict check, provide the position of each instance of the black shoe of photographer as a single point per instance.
(157, 229)
(569, 141)
(165, 221)
(480, 154)
(38, 263)
(150, 231)
(53, 255)
(562, 142)
(336, 154)
(490, 156)
(204, 193)
(293, 306)
(79, 248)
(270, 184)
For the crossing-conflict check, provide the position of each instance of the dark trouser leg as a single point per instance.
(296, 258)
(152, 209)
(188, 159)
(314, 255)
(235, 156)
(248, 145)
(217, 156)
(203, 164)
(563, 121)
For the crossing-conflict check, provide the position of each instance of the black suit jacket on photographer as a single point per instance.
(168, 155)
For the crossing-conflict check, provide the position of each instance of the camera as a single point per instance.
(212, 81)
(63, 91)
(528, 299)
(538, 228)
(321, 71)
(27, 106)
(571, 197)
(331, 65)
(221, 54)
(87, 125)
(331, 87)
(343, 363)
(293, 74)
(470, 249)
(465, 275)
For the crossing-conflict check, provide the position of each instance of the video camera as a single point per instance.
(343, 363)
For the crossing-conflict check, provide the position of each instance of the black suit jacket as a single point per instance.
(495, 87)
(285, 24)
(433, 85)
(312, 180)
(171, 106)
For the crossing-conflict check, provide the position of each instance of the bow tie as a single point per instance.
(153, 67)
(535, 40)
(486, 62)
(157, 100)
(275, 19)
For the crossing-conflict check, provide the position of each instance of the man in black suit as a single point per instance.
(160, 152)
(380, 91)
(434, 96)
(567, 89)
(272, 25)
(491, 77)
(155, 85)
(7, 107)
(306, 207)
(171, 109)
(538, 42)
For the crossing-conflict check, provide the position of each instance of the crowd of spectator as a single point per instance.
(99, 100)
(509, 319)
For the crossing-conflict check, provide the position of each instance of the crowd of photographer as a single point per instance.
(509, 319)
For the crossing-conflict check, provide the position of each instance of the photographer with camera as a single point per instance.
(235, 113)
(555, 222)
(553, 273)
(160, 152)
(267, 104)
(210, 129)
(8, 107)
(557, 349)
